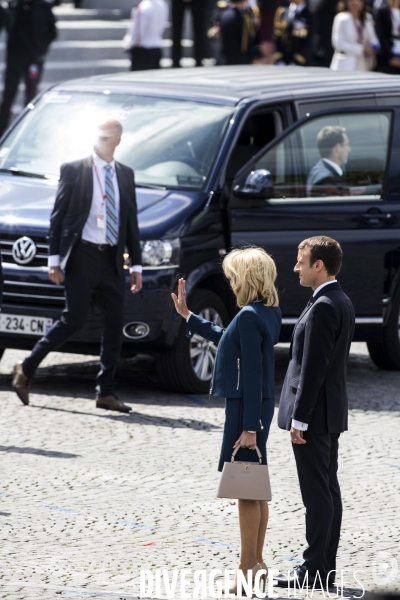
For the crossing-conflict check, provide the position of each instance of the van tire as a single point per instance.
(386, 354)
(174, 367)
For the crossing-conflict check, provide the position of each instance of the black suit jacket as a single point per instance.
(314, 390)
(72, 207)
(34, 44)
(324, 180)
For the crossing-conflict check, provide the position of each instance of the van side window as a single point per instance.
(259, 129)
(331, 157)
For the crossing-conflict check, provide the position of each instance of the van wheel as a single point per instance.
(187, 367)
(386, 354)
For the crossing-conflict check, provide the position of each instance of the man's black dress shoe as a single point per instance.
(299, 577)
(330, 580)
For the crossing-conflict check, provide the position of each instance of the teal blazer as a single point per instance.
(245, 363)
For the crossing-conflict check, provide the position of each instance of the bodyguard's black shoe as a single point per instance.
(299, 578)
(330, 580)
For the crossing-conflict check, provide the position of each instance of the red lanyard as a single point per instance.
(103, 194)
(359, 31)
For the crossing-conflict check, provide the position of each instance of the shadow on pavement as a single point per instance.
(38, 451)
(369, 388)
(132, 417)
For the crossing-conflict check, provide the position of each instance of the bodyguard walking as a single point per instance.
(314, 404)
(31, 29)
(93, 220)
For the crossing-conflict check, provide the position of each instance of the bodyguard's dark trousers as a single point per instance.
(317, 465)
(91, 275)
(17, 69)
(199, 13)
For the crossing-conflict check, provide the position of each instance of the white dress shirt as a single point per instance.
(299, 425)
(91, 232)
(149, 19)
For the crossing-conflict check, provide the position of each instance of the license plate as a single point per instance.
(24, 325)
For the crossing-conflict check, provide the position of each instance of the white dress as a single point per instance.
(348, 39)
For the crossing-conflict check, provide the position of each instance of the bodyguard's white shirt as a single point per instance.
(91, 232)
(149, 20)
(299, 425)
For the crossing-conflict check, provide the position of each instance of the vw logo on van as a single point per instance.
(24, 251)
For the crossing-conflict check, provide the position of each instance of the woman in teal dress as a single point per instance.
(244, 373)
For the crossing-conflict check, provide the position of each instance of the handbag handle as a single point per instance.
(238, 448)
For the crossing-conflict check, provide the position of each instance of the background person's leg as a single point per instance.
(32, 83)
(199, 12)
(178, 13)
(14, 72)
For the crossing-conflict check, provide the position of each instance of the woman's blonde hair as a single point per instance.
(252, 273)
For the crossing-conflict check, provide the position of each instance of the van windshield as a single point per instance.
(169, 143)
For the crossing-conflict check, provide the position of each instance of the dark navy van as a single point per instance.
(222, 157)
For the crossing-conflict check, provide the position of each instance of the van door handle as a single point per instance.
(376, 217)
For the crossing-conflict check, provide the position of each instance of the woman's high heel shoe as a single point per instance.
(264, 576)
(254, 571)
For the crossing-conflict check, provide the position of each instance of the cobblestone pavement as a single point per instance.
(88, 498)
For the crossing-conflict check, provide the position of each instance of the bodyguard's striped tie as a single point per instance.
(111, 210)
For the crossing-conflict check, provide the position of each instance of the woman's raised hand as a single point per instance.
(180, 300)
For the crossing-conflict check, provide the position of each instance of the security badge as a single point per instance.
(100, 220)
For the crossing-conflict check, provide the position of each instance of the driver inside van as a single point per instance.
(326, 176)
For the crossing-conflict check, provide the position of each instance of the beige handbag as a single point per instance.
(245, 480)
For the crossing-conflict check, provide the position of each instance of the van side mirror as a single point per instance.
(257, 184)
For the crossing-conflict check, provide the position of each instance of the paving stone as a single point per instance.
(88, 497)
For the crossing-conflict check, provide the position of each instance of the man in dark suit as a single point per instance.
(239, 25)
(326, 176)
(323, 13)
(93, 220)
(31, 30)
(314, 404)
